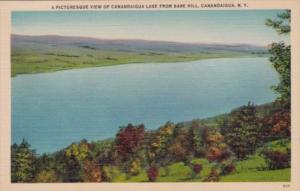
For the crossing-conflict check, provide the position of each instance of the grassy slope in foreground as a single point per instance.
(247, 171)
(48, 54)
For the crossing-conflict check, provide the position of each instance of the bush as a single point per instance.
(107, 175)
(152, 173)
(197, 168)
(277, 159)
(135, 167)
(213, 176)
(228, 168)
(46, 176)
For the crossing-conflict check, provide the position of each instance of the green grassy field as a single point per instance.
(250, 170)
(29, 61)
(37, 54)
(282, 175)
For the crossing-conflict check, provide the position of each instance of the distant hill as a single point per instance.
(38, 54)
(129, 45)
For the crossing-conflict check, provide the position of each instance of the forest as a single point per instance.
(251, 143)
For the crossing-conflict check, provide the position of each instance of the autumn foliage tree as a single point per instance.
(158, 144)
(91, 171)
(75, 157)
(128, 140)
(277, 125)
(181, 147)
(216, 149)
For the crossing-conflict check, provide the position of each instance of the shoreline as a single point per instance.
(188, 59)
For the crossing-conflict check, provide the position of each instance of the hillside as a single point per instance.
(197, 151)
(37, 54)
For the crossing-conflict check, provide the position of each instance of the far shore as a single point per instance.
(44, 66)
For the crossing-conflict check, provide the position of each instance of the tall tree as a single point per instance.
(281, 55)
(23, 159)
(242, 131)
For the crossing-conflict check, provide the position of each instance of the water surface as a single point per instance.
(52, 110)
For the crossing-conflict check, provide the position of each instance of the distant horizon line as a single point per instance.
(132, 39)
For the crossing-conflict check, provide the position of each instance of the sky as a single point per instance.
(196, 26)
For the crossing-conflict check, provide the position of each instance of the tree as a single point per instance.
(282, 24)
(277, 125)
(76, 162)
(281, 55)
(71, 170)
(23, 159)
(242, 131)
(197, 131)
(216, 150)
(181, 145)
(128, 140)
(45, 162)
(91, 172)
(157, 150)
(79, 151)
(46, 176)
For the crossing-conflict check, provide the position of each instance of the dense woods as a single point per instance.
(210, 148)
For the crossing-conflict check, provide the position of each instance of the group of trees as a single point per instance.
(134, 149)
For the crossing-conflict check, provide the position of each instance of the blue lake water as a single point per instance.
(52, 110)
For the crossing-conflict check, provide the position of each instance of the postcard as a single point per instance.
(149, 95)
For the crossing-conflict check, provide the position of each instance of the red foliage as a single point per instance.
(216, 154)
(278, 124)
(197, 168)
(152, 173)
(91, 172)
(129, 139)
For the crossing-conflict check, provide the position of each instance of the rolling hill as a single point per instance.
(36, 54)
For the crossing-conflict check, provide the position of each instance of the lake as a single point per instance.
(52, 110)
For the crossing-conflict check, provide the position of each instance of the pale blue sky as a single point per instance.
(202, 26)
